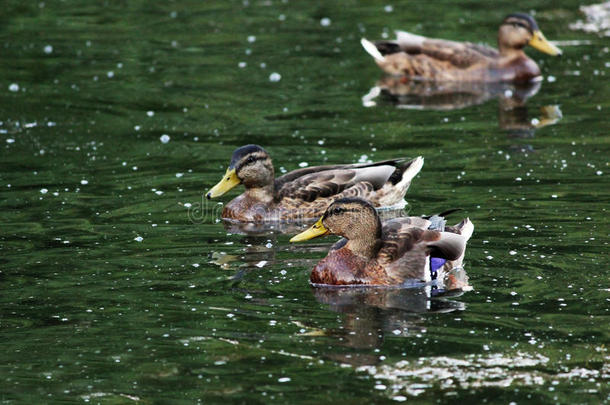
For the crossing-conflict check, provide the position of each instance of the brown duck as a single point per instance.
(396, 252)
(305, 193)
(422, 58)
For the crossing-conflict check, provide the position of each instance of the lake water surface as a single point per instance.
(119, 284)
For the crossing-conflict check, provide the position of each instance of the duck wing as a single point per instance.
(328, 181)
(406, 244)
(459, 54)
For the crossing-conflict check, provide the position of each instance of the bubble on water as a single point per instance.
(138, 239)
(84, 182)
(508, 93)
(242, 64)
(150, 113)
(251, 38)
(269, 245)
(248, 297)
(553, 195)
(551, 79)
(195, 265)
(261, 263)
(188, 205)
(283, 379)
(303, 164)
(275, 77)
(399, 398)
(164, 138)
(282, 17)
(48, 49)
(389, 8)
(158, 192)
(380, 387)
(110, 74)
(14, 87)
(599, 172)
(43, 191)
(325, 22)
(10, 140)
(512, 252)
(396, 332)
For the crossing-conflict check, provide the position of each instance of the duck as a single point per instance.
(305, 193)
(421, 58)
(396, 252)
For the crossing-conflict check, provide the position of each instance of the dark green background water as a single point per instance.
(118, 286)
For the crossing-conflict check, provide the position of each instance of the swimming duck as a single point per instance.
(396, 252)
(305, 193)
(424, 58)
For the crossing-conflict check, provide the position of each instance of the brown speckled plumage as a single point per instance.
(391, 253)
(305, 193)
(424, 58)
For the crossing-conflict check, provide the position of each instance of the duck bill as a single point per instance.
(314, 231)
(539, 42)
(229, 180)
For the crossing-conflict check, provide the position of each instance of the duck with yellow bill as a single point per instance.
(422, 58)
(395, 252)
(305, 193)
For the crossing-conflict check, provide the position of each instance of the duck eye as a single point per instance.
(337, 211)
(250, 159)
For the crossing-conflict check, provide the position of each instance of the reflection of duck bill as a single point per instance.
(551, 114)
(223, 260)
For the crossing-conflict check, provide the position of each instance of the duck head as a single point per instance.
(354, 219)
(520, 29)
(251, 166)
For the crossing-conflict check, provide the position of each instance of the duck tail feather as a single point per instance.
(372, 50)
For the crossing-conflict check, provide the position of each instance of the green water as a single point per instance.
(118, 284)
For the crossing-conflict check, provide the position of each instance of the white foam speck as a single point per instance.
(138, 239)
(251, 38)
(43, 191)
(242, 64)
(325, 22)
(10, 140)
(164, 138)
(283, 379)
(303, 164)
(261, 263)
(178, 175)
(110, 74)
(14, 87)
(512, 252)
(150, 113)
(84, 182)
(48, 49)
(389, 8)
(275, 77)
(188, 205)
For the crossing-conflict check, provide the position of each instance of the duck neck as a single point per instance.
(264, 194)
(366, 242)
(510, 52)
(365, 247)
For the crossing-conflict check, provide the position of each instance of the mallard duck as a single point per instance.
(424, 58)
(305, 193)
(396, 252)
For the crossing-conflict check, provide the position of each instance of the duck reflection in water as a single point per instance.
(513, 114)
(372, 313)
